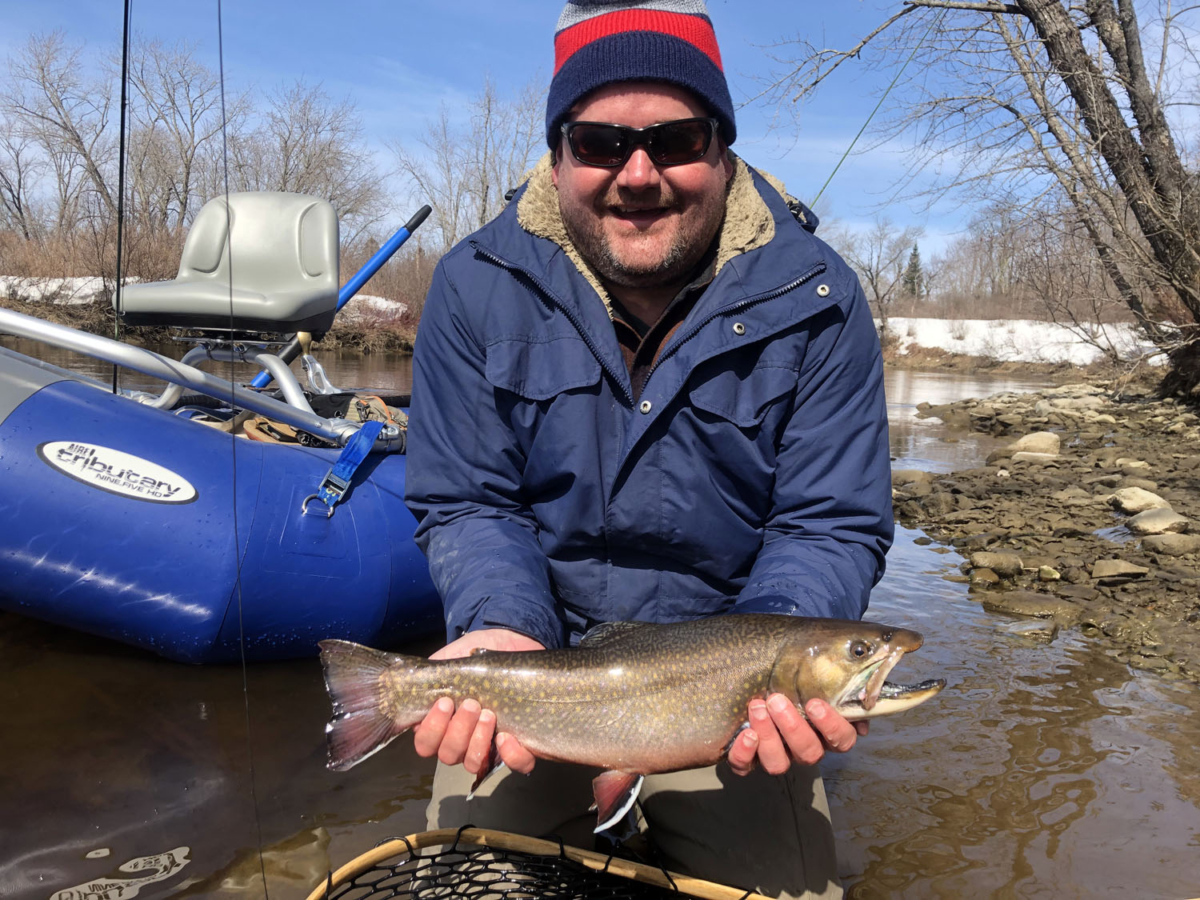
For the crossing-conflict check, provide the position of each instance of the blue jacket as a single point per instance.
(752, 475)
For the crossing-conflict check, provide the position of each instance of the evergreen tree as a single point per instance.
(912, 282)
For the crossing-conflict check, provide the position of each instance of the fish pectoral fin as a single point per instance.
(615, 793)
(493, 764)
(736, 735)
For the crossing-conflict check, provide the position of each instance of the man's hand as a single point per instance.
(465, 736)
(780, 735)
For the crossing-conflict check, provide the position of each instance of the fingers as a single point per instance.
(863, 728)
(514, 754)
(743, 752)
(796, 734)
(773, 754)
(427, 737)
(479, 750)
(838, 734)
(458, 733)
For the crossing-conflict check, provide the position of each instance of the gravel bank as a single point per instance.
(1089, 518)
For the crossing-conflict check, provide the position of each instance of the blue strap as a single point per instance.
(337, 480)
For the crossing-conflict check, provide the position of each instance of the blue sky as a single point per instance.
(400, 61)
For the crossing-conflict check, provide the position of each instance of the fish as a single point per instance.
(633, 698)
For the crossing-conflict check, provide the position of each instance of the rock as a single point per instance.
(1112, 568)
(1144, 483)
(1062, 403)
(1158, 521)
(1031, 457)
(939, 503)
(1039, 442)
(1077, 592)
(1126, 463)
(910, 476)
(1041, 631)
(922, 541)
(1172, 544)
(984, 577)
(1135, 500)
(1032, 604)
(1074, 492)
(1006, 565)
(1048, 573)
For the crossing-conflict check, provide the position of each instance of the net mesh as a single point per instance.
(483, 873)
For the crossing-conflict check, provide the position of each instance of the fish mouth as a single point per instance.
(870, 694)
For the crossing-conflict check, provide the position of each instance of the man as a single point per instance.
(647, 392)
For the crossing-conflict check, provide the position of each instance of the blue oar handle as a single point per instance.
(354, 285)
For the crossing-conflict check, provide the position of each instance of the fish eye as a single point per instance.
(860, 649)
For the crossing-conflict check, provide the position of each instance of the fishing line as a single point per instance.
(121, 181)
(921, 42)
(237, 560)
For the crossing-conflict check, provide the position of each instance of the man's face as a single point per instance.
(642, 225)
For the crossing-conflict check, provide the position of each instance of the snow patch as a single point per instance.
(1020, 340)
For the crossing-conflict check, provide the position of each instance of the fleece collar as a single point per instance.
(748, 222)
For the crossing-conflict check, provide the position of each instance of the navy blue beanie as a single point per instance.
(599, 42)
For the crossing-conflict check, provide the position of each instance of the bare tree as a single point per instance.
(311, 144)
(19, 169)
(176, 119)
(465, 171)
(67, 116)
(879, 256)
(1038, 96)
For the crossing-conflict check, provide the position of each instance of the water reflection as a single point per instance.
(925, 443)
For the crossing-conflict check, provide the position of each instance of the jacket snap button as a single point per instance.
(739, 328)
(822, 290)
(646, 406)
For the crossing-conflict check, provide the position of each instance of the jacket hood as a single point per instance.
(748, 223)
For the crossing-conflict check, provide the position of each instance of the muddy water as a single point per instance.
(1040, 771)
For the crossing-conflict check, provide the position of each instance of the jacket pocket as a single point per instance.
(541, 369)
(744, 398)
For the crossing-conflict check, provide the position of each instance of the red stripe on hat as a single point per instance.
(695, 30)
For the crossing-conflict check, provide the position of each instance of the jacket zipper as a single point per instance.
(567, 311)
(734, 307)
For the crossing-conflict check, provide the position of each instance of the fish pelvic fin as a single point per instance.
(493, 765)
(615, 793)
(362, 724)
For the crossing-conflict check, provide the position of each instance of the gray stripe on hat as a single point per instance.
(582, 10)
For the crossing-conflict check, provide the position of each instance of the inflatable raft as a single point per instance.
(123, 516)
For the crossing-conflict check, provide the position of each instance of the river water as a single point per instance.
(1041, 771)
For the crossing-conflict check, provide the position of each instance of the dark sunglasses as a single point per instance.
(668, 143)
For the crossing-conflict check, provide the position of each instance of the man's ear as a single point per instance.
(726, 160)
(558, 155)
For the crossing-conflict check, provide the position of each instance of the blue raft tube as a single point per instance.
(120, 518)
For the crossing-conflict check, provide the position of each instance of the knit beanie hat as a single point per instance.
(598, 42)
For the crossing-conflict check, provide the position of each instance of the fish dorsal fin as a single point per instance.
(478, 651)
(606, 632)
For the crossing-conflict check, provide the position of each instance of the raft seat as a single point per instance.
(284, 250)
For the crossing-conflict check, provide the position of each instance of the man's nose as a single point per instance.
(639, 171)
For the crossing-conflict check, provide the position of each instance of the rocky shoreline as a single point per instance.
(1088, 518)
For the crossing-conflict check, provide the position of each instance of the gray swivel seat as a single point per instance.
(282, 250)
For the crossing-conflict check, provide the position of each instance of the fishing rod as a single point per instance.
(292, 349)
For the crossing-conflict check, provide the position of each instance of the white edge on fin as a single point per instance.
(619, 814)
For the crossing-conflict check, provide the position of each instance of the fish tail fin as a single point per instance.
(363, 723)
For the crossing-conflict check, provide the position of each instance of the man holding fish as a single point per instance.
(647, 392)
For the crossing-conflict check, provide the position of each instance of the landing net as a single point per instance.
(482, 864)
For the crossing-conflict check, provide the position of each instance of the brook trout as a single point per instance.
(633, 698)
